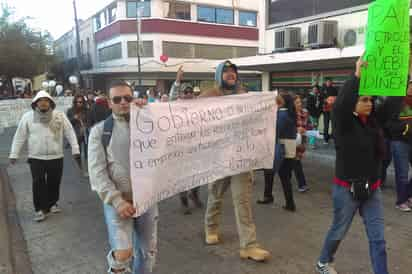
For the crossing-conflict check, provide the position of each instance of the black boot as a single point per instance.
(268, 196)
(185, 203)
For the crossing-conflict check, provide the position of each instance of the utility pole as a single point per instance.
(78, 49)
(138, 32)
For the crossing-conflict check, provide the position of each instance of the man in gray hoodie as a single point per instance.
(43, 129)
(132, 240)
(226, 79)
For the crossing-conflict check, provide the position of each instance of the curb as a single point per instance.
(6, 259)
(16, 258)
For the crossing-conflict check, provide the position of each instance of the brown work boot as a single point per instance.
(254, 253)
(212, 237)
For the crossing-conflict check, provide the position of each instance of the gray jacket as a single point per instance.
(111, 178)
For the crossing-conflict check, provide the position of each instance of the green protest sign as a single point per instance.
(387, 49)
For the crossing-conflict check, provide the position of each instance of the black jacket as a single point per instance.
(285, 125)
(97, 113)
(394, 128)
(359, 146)
(315, 104)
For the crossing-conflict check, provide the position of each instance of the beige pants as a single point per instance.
(241, 187)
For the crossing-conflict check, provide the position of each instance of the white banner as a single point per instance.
(11, 111)
(184, 144)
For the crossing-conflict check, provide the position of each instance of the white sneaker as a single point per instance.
(39, 216)
(404, 207)
(55, 209)
(325, 269)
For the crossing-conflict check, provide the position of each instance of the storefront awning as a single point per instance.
(315, 59)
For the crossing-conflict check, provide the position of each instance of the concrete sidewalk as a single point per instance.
(75, 241)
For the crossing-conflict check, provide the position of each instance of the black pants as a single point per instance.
(46, 176)
(269, 176)
(285, 175)
(299, 174)
(326, 121)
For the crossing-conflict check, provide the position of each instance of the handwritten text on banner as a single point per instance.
(184, 144)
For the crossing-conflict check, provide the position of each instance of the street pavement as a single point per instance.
(75, 241)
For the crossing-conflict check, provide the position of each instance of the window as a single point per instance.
(247, 18)
(103, 19)
(112, 13)
(98, 23)
(133, 7)
(206, 51)
(146, 51)
(224, 16)
(206, 14)
(88, 45)
(81, 47)
(285, 10)
(178, 50)
(177, 10)
(215, 15)
(110, 53)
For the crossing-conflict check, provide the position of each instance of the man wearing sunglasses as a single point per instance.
(132, 240)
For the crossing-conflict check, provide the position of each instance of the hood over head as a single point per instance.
(219, 73)
(43, 94)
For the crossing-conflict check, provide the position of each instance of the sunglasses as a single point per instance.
(79, 102)
(118, 99)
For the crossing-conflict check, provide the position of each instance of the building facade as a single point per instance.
(194, 33)
(305, 42)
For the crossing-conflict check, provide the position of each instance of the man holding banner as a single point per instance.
(132, 240)
(226, 78)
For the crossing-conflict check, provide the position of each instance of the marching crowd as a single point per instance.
(367, 133)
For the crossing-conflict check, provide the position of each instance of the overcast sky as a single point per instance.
(56, 16)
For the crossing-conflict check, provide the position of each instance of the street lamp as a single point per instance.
(74, 81)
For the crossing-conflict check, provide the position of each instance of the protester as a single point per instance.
(302, 125)
(90, 99)
(77, 116)
(43, 129)
(329, 94)
(99, 111)
(226, 78)
(314, 106)
(152, 98)
(359, 152)
(398, 130)
(180, 91)
(285, 152)
(131, 239)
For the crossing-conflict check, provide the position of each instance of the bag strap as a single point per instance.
(107, 132)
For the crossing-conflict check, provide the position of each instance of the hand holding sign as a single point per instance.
(387, 49)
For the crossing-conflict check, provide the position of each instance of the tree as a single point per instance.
(23, 51)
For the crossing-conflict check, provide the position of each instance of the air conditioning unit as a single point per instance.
(323, 34)
(352, 37)
(288, 39)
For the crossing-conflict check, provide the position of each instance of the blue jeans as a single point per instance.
(344, 211)
(401, 159)
(123, 234)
